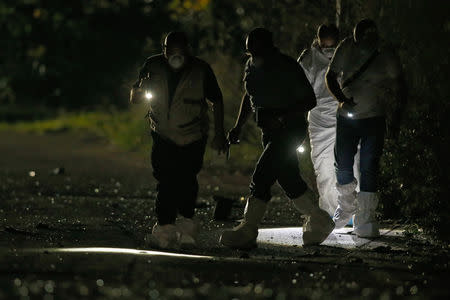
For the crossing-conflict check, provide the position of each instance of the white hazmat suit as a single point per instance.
(322, 126)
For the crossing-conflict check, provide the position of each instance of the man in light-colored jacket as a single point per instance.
(176, 85)
(365, 78)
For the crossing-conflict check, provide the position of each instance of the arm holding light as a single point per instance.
(137, 93)
(335, 90)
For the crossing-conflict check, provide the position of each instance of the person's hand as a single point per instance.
(348, 105)
(220, 143)
(233, 135)
(349, 102)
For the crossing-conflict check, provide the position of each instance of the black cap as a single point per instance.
(364, 26)
(328, 31)
(261, 36)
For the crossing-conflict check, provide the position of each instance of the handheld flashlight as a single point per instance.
(350, 115)
(148, 95)
(301, 149)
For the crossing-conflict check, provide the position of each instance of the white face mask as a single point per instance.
(328, 52)
(176, 61)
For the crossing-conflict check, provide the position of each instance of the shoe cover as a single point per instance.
(364, 221)
(318, 224)
(244, 235)
(188, 230)
(318, 227)
(346, 204)
(164, 236)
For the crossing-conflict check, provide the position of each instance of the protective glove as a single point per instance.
(233, 135)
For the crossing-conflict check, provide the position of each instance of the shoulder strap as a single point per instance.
(361, 70)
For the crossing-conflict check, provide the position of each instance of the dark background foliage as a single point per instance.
(82, 55)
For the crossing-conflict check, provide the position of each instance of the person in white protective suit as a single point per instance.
(322, 118)
(365, 78)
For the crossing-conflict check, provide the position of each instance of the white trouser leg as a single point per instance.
(322, 134)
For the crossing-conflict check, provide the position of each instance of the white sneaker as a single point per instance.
(188, 229)
(164, 236)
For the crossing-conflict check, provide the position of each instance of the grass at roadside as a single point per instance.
(129, 131)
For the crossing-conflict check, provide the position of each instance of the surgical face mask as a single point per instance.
(328, 52)
(176, 61)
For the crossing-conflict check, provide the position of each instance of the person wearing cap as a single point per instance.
(176, 85)
(365, 77)
(322, 118)
(278, 92)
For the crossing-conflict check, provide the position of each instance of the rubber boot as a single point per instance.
(244, 235)
(164, 237)
(346, 204)
(364, 221)
(318, 224)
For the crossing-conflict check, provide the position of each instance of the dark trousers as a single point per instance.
(370, 132)
(279, 162)
(176, 168)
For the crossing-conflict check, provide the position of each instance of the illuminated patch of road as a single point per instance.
(290, 236)
(107, 250)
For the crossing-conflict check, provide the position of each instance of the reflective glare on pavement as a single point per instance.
(108, 250)
(342, 238)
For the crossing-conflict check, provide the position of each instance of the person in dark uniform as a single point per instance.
(279, 93)
(176, 85)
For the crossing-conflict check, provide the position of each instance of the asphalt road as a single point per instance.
(77, 232)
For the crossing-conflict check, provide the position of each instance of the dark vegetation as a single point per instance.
(83, 56)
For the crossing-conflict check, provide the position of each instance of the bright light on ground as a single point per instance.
(301, 149)
(107, 250)
(148, 95)
(350, 115)
(342, 238)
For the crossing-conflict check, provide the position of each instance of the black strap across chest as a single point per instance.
(361, 70)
